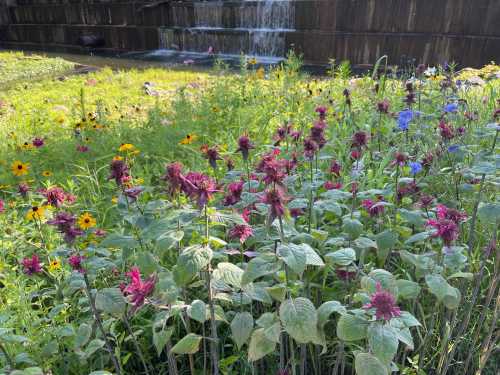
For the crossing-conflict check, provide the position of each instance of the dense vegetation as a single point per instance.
(251, 222)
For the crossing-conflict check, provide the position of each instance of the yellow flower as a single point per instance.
(60, 119)
(19, 168)
(190, 138)
(139, 181)
(86, 221)
(46, 173)
(117, 158)
(26, 146)
(35, 212)
(261, 73)
(126, 147)
(54, 265)
(114, 200)
(252, 61)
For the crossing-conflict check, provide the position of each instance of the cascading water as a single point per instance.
(252, 27)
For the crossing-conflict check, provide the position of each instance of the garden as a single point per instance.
(250, 221)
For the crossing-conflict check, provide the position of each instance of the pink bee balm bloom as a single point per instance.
(234, 191)
(384, 304)
(173, 176)
(138, 290)
(244, 146)
(75, 261)
(2, 206)
(241, 232)
(200, 187)
(446, 229)
(276, 199)
(31, 265)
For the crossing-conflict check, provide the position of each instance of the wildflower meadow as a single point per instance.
(257, 221)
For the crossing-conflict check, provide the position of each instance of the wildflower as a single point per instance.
(234, 189)
(31, 265)
(75, 261)
(19, 168)
(86, 221)
(82, 148)
(384, 304)
(212, 155)
(373, 208)
(452, 214)
(100, 233)
(188, 139)
(64, 221)
(276, 200)
(173, 176)
(400, 158)
(229, 163)
(200, 187)
(426, 201)
(383, 106)
(244, 146)
(318, 133)
(451, 108)
(38, 142)
(453, 148)
(345, 275)
(55, 196)
(138, 290)
(35, 213)
(446, 229)
(445, 130)
(404, 119)
(23, 189)
(310, 148)
(427, 160)
(335, 168)
(54, 265)
(2, 206)
(359, 139)
(252, 61)
(46, 173)
(295, 135)
(133, 192)
(241, 232)
(126, 147)
(119, 172)
(355, 154)
(321, 111)
(409, 189)
(27, 146)
(415, 167)
(280, 135)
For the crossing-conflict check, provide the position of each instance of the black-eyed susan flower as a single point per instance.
(126, 147)
(86, 221)
(46, 173)
(188, 139)
(35, 213)
(19, 168)
(117, 158)
(252, 61)
(54, 265)
(27, 146)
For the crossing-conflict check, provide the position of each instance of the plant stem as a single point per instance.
(136, 344)
(98, 320)
(8, 358)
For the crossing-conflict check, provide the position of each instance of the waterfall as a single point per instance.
(252, 27)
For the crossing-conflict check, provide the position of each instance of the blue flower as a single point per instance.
(453, 148)
(415, 167)
(404, 119)
(451, 108)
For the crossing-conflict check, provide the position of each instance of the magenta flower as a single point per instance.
(318, 133)
(273, 169)
(38, 142)
(82, 148)
(234, 191)
(55, 196)
(452, 214)
(173, 176)
(296, 212)
(133, 192)
(200, 187)
(321, 111)
(75, 261)
(445, 130)
(138, 290)
(119, 172)
(23, 189)
(384, 304)
(2, 206)
(400, 159)
(244, 146)
(241, 232)
(345, 275)
(446, 229)
(373, 208)
(335, 168)
(212, 155)
(425, 201)
(359, 139)
(64, 221)
(383, 106)
(276, 200)
(280, 135)
(31, 265)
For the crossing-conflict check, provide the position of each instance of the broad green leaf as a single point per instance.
(422, 236)
(241, 328)
(484, 168)
(353, 227)
(160, 339)
(258, 267)
(119, 241)
(367, 364)
(312, 257)
(299, 319)
(407, 289)
(93, 346)
(386, 240)
(83, 335)
(277, 292)
(191, 261)
(443, 291)
(342, 257)
(271, 325)
(229, 274)
(260, 345)
(294, 256)
(326, 309)
(197, 311)
(111, 301)
(489, 212)
(189, 344)
(351, 327)
(365, 243)
(383, 341)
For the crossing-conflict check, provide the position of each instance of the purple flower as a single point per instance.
(453, 148)
(318, 133)
(82, 148)
(55, 196)
(321, 111)
(276, 200)
(119, 172)
(310, 148)
(234, 190)
(359, 139)
(384, 304)
(212, 155)
(31, 265)
(244, 146)
(23, 189)
(451, 108)
(415, 167)
(38, 142)
(373, 208)
(446, 229)
(200, 187)
(173, 176)
(404, 119)
(64, 221)
(133, 192)
(383, 106)
(75, 261)
(138, 290)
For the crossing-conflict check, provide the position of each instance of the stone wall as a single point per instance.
(432, 31)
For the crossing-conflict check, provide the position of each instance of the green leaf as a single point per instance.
(342, 257)
(197, 311)
(241, 328)
(489, 212)
(462, 275)
(312, 257)
(277, 292)
(386, 240)
(351, 328)
(294, 256)
(484, 168)
(299, 319)
(160, 338)
(260, 345)
(111, 301)
(419, 237)
(365, 243)
(191, 261)
(383, 341)
(407, 289)
(189, 344)
(82, 335)
(119, 241)
(367, 364)
(443, 291)
(258, 267)
(229, 274)
(353, 227)
(93, 346)
(326, 309)
(271, 325)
